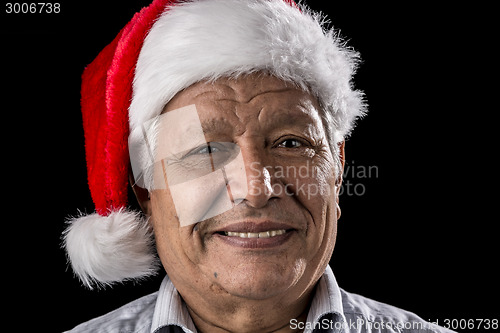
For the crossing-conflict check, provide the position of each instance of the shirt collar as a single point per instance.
(170, 309)
(327, 299)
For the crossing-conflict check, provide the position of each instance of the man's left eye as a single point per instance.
(290, 143)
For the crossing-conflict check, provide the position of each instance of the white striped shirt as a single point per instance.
(332, 310)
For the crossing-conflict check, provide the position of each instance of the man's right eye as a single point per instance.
(217, 153)
(203, 159)
(208, 149)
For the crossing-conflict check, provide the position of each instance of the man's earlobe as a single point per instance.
(142, 196)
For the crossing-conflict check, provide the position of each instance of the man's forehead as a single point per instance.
(243, 89)
(217, 119)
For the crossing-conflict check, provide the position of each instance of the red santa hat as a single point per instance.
(165, 48)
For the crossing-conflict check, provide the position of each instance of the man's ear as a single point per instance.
(338, 181)
(141, 194)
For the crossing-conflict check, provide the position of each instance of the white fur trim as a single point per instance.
(108, 249)
(198, 40)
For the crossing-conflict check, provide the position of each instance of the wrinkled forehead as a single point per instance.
(238, 102)
(243, 89)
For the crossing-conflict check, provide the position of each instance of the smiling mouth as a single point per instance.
(256, 234)
(264, 239)
(264, 234)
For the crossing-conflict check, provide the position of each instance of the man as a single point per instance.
(232, 116)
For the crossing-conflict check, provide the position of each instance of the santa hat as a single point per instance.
(165, 48)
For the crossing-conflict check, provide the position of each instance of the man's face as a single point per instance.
(277, 239)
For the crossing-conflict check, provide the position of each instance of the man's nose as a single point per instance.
(259, 185)
(260, 181)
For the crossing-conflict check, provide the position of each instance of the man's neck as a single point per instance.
(248, 316)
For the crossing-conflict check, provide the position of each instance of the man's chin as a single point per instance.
(258, 281)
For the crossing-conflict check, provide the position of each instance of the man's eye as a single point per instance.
(208, 149)
(290, 143)
(208, 156)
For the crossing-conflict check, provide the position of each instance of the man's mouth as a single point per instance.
(264, 234)
(255, 235)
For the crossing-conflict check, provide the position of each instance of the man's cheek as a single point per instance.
(217, 192)
(201, 198)
(310, 182)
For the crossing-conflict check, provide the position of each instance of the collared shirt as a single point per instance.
(332, 310)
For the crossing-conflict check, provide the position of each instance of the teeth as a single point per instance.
(264, 234)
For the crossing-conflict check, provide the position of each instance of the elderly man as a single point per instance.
(228, 118)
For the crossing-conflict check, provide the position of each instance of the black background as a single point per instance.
(422, 237)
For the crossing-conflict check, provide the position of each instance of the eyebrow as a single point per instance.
(251, 98)
(216, 125)
(295, 113)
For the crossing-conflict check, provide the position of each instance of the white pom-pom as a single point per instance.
(107, 249)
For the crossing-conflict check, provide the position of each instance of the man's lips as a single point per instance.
(255, 235)
(254, 227)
